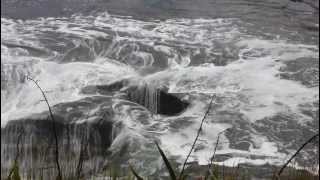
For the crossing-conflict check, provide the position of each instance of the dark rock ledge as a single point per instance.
(77, 128)
(88, 124)
(156, 99)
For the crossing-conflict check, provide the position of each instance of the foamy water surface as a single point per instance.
(193, 57)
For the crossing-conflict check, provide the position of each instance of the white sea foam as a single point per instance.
(62, 82)
(250, 83)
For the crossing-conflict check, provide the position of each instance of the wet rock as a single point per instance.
(157, 100)
(108, 89)
(242, 146)
(82, 126)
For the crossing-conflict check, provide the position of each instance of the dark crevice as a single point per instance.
(157, 100)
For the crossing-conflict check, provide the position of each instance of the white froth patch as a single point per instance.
(233, 162)
(179, 143)
(257, 80)
(279, 49)
(253, 77)
(62, 83)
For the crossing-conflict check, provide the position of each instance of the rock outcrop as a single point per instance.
(86, 127)
(83, 126)
(156, 100)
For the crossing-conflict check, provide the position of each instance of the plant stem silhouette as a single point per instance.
(214, 154)
(15, 165)
(54, 130)
(196, 139)
(296, 153)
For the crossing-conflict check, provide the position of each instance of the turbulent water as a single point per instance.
(266, 84)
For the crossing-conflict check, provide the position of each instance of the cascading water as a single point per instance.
(156, 99)
(133, 82)
(146, 96)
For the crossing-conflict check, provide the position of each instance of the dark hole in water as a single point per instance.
(170, 104)
(157, 100)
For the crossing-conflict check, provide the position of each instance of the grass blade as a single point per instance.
(135, 173)
(167, 163)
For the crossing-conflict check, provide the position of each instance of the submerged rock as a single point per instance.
(157, 100)
(82, 126)
(85, 128)
(107, 89)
